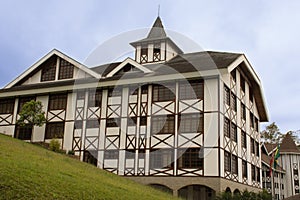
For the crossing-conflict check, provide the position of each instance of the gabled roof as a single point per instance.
(124, 63)
(269, 147)
(288, 145)
(45, 58)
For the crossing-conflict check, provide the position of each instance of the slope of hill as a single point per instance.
(30, 172)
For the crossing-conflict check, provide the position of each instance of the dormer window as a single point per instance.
(144, 53)
(156, 52)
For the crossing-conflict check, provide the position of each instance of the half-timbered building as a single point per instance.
(187, 123)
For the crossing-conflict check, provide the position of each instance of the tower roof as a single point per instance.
(288, 145)
(157, 31)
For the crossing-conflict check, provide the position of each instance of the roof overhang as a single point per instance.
(47, 56)
(244, 65)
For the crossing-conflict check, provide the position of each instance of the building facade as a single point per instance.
(187, 123)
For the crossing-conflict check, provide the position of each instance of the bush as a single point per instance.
(71, 152)
(54, 145)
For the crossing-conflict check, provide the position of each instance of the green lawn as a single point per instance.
(28, 171)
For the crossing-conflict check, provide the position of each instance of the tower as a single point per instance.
(156, 47)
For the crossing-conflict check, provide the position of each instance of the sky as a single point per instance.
(267, 32)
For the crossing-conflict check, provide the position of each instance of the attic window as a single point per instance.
(49, 70)
(66, 70)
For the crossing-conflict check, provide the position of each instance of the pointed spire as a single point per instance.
(157, 30)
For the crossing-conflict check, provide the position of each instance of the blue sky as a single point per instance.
(266, 31)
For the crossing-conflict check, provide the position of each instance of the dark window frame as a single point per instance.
(163, 93)
(7, 106)
(54, 130)
(191, 90)
(93, 123)
(191, 123)
(95, 98)
(161, 159)
(190, 158)
(167, 128)
(58, 101)
(66, 70)
(48, 72)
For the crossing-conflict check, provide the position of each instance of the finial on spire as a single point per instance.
(158, 11)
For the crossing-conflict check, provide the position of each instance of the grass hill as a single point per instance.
(28, 171)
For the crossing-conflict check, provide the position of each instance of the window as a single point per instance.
(130, 154)
(132, 121)
(233, 103)
(78, 124)
(250, 94)
(243, 111)
(133, 90)
(244, 169)
(114, 92)
(251, 120)
(92, 123)
(66, 70)
(161, 158)
(23, 132)
(111, 154)
(227, 161)
(242, 83)
(258, 174)
(156, 52)
(95, 98)
(191, 90)
(190, 123)
(244, 139)
(22, 101)
(257, 148)
(256, 124)
(227, 95)
(226, 127)
(233, 75)
(91, 157)
(113, 122)
(253, 172)
(7, 106)
(55, 130)
(163, 93)
(233, 132)
(144, 53)
(58, 101)
(190, 158)
(234, 160)
(80, 94)
(143, 121)
(252, 146)
(145, 89)
(163, 124)
(49, 70)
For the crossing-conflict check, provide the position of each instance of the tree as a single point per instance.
(32, 114)
(271, 134)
